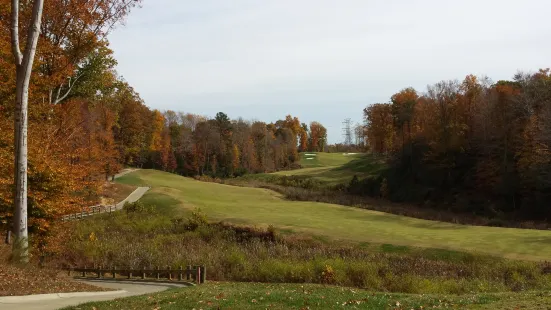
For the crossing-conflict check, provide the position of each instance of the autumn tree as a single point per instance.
(72, 32)
(303, 138)
(403, 106)
(131, 132)
(318, 137)
(380, 129)
(236, 158)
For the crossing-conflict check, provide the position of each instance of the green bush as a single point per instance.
(196, 220)
(137, 207)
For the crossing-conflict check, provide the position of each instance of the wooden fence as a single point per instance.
(196, 274)
(88, 211)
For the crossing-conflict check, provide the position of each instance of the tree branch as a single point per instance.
(32, 37)
(16, 49)
(58, 98)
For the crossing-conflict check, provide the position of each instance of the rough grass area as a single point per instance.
(28, 280)
(144, 237)
(255, 206)
(295, 296)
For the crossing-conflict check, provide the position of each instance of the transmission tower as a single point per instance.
(347, 131)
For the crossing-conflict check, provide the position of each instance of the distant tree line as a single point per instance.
(190, 144)
(473, 146)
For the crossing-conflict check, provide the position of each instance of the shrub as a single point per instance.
(240, 172)
(207, 178)
(137, 207)
(327, 275)
(363, 275)
(496, 223)
(196, 220)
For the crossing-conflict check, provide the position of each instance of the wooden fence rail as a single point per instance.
(197, 274)
(87, 211)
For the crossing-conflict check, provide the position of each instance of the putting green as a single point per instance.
(264, 207)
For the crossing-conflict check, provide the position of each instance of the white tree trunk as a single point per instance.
(24, 64)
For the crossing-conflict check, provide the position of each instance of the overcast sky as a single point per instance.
(319, 59)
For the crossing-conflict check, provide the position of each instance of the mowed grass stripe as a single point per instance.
(264, 207)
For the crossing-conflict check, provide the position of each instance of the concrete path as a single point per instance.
(135, 196)
(56, 301)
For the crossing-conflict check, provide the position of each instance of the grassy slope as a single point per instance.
(308, 296)
(335, 168)
(263, 207)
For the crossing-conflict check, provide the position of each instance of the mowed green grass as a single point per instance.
(327, 159)
(336, 168)
(310, 296)
(254, 206)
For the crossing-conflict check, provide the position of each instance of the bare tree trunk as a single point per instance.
(24, 64)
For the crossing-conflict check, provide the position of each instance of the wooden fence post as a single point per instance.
(169, 273)
(180, 275)
(84, 272)
(203, 274)
(113, 270)
(143, 273)
(198, 275)
(189, 270)
(158, 273)
(129, 273)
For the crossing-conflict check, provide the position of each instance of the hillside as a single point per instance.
(264, 207)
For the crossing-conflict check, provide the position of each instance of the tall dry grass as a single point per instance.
(142, 237)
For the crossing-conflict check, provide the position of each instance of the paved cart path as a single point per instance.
(56, 301)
